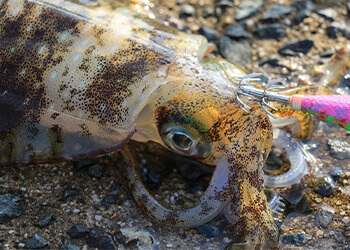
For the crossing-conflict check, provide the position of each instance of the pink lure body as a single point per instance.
(333, 108)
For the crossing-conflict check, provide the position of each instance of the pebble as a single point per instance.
(275, 12)
(296, 48)
(95, 171)
(45, 221)
(78, 231)
(325, 187)
(36, 242)
(297, 239)
(208, 12)
(187, 11)
(303, 5)
(274, 62)
(328, 13)
(69, 245)
(340, 149)
(109, 200)
(21, 245)
(209, 33)
(9, 207)
(301, 15)
(68, 193)
(237, 31)
(76, 210)
(336, 173)
(98, 217)
(237, 52)
(323, 218)
(346, 220)
(273, 31)
(208, 230)
(247, 9)
(99, 239)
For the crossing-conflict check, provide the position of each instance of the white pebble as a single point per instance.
(21, 245)
(342, 213)
(346, 220)
(76, 210)
(23, 189)
(11, 231)
(169, 245)
(98, 217)
(319, 233)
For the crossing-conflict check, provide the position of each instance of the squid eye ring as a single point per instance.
(183, 142)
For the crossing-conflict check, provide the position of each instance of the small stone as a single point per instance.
(325, 187)
(187, 11)
(247, 9)
(303, 5)
(78, 231)
(99, 239)
(69, 193)
(21, 245)
(301, 15)
(95, 171)
(273, 31)
(336, 173)
(339, 149)
(328, 13)
(9, 207)
(209, 33)
(319, 233)
(298, 239)
(237, 31)
(237, 52)
(36, 242)
(294, 49)
(109, 200)
(275, 12)
(274, 62)
(45, 221)
(323, 218)
(331, 32)
(208, 230)
(346, 220)
(98, 217)
(144, 238)
(208, 12)
(76, 210)
(69, 245)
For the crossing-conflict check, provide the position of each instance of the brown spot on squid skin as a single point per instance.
(112, 85)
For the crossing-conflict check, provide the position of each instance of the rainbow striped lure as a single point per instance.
(332, 108)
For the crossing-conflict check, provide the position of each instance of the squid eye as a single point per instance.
(183, 142)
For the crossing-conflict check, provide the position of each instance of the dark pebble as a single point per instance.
(297, 48)
(36, 242)
(329, 13)
(109, 200)
(45, 221)
(208, 12)
(78, 231)
(69, 245)
(275, 12)
(340, 149)
(324, 187)
(332, 32)
(302, 206)
(237, 31)
(303, 5)
(95, 171)
(247, 9)
(237, 52)
(187, 11)
(100, 240)
(273, 31)
(9, 207)
(224, 4)
(83, 164)
(323, 218)
(69, 193)
(209, 33)
(336, 173)
(301, 15)
(189, 172)
(297, 239)
(208, 230)
(274, 62)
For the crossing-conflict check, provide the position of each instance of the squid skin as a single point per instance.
(78, 82)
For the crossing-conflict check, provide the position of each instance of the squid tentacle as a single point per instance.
(213, 201)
